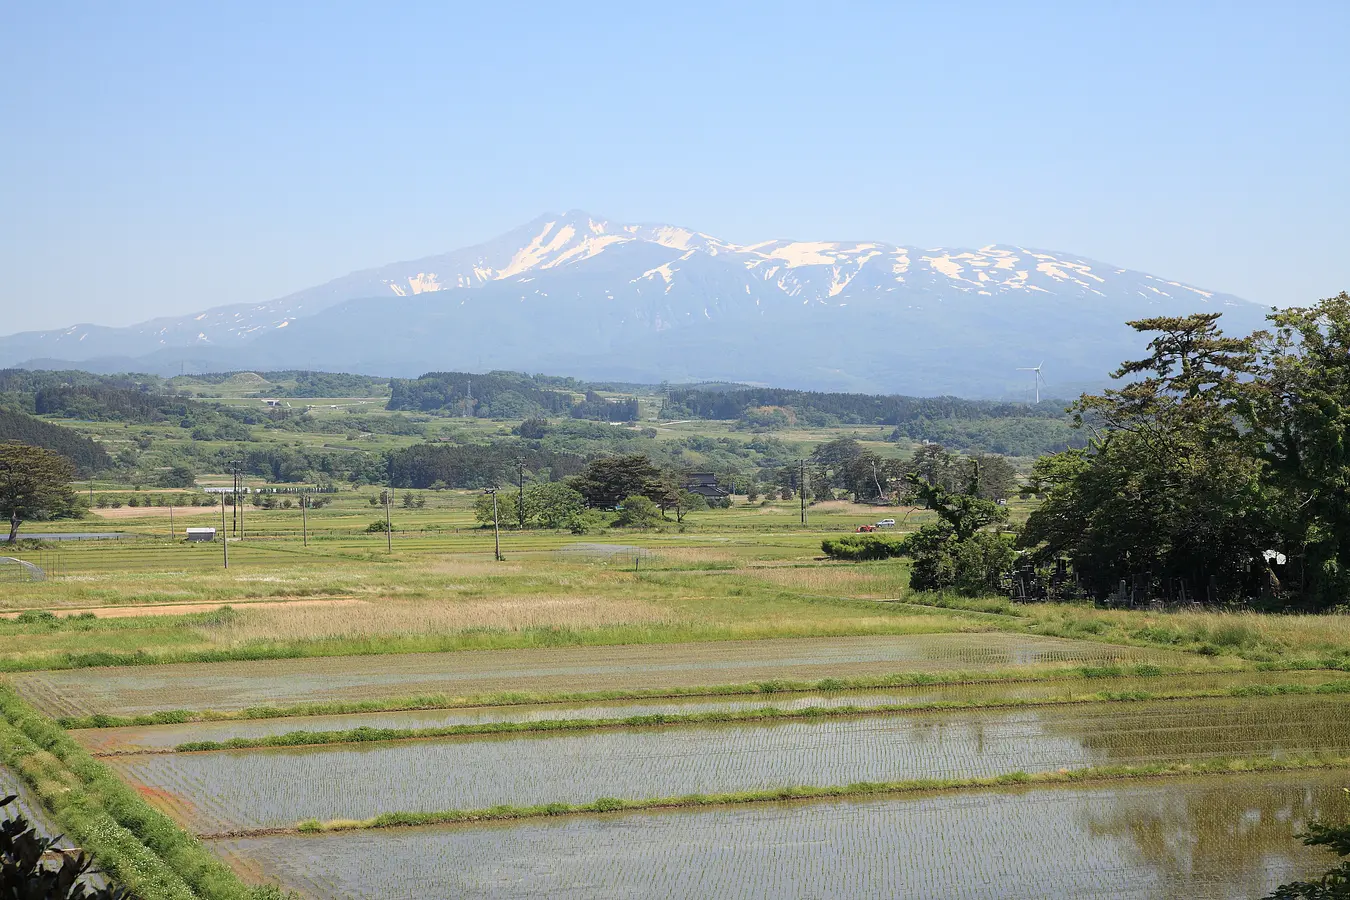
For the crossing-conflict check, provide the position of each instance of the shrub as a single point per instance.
(26, 873)
(864, 546)
(637, 512)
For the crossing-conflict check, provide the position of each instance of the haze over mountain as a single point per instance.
(577, 294)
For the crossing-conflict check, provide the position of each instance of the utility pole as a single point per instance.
(388, 529)
(801, 486)
(304, 519)
(496, 528)
(171, 519)
(520, 498)
(224, 535)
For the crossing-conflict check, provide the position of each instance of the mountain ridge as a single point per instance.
(596, 298)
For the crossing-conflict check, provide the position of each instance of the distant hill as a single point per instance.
(651, 303)
(88, 456)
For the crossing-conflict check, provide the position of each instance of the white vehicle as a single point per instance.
(886, 523)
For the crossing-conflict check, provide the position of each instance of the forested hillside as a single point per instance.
(88, 456)
(505, 395)
(1013, 429)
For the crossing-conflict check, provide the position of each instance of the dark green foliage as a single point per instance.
(465, 394)
(1299, 407)
(637, 511)
(140, 847)
(533, 429)
(87, 456)
(34, 484)
(1012, 429)
(505, 395)
(474, 465)
(606, 481)
(320, 384)
(864, 546)
(1335, 884)
(603, 410)
(957, 553)
(26, 875)
(178, 477)
(1171, 488)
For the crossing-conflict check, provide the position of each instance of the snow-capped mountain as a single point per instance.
(578, 294)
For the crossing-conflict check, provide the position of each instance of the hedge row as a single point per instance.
(864, 546)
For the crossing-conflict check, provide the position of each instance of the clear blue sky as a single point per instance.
(162, 158)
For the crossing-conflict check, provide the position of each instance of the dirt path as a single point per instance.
(141, 512)
(182, 609)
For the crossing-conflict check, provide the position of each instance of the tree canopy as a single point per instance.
(1220, 465)
(34, 483)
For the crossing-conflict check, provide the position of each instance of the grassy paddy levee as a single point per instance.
(1210, 838)
(240, 733)
(123, 691)
(274, 787)
(136, 845)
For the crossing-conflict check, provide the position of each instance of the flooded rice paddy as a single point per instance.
(27, 804)
(1174, 839)
(134, 690)
(233, 790)
(166, 737)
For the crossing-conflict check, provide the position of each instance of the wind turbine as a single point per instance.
(1037, 378)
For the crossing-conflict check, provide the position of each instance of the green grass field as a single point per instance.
(718, 667)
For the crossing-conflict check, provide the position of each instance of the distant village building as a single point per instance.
(705, 485)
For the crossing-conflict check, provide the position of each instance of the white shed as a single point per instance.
(200, 534)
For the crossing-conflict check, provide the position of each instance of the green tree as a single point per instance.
(1300, 412)
(506, 509)
(25, 870)
(997, 477)
(179, 476)
(830, 463)
(34, 484)
(1334, 884)
(552, 504)
(533, 429)
(1171, 484)
(956, 553)
(638, 511)
(610, 479)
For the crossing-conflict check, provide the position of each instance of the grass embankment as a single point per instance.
(138, 847)
(674, 692)
(763, 714)
(1321, 641)
(1098, 774)
(434, 605)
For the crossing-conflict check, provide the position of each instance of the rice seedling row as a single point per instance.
(26, 803)
(230, 685)
(239, 790)
(1199, 839)
(169, 736)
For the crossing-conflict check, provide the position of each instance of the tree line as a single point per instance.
(1218, 471)
(503, 395)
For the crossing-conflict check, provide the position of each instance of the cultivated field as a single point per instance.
(1202, 839)
(706, 712)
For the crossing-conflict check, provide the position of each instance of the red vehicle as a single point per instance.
(865, 528)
